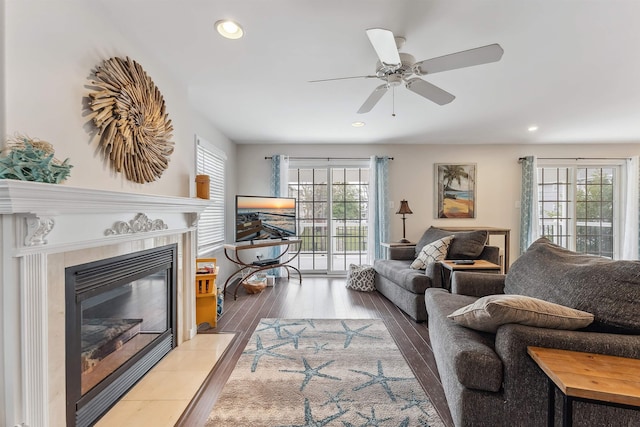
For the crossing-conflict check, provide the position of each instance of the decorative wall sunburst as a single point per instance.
(129, 111)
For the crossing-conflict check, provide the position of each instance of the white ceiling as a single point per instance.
(569, 66)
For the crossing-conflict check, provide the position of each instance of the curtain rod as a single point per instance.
(520, 159)
(324, 158)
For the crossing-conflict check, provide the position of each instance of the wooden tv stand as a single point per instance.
(248, 269)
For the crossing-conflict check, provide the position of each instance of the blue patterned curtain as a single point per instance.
(279, 184)
(631, 227)
(528, 203)
(378, 209)
(279, 175)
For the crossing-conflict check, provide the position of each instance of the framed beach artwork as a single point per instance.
(456, 190)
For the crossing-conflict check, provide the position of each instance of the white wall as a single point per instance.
(51, 49)
(3, 83)
(412, 177)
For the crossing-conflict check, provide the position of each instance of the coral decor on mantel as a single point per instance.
(129, 112)
(30, 159)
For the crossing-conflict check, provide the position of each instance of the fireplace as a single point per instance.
(47, 228)
(120, 321)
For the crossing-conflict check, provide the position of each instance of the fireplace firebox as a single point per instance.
(120, 321)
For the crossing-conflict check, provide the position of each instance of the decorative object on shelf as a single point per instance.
(129, 112)
(255, 285)
(404, 210)
(456, 190)
(139, 224)
(202, 186)
(29, 159)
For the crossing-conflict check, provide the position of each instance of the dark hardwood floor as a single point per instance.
(317, 297)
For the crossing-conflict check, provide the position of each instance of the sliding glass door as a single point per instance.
(332, 216)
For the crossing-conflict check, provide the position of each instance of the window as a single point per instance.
(332, 216)
(579, 207)
(211, 161)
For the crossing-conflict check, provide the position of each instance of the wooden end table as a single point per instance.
(588, 377)
(479, 265)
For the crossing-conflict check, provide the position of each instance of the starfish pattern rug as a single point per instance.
(322, 372)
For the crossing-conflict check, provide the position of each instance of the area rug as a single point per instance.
(312, 372)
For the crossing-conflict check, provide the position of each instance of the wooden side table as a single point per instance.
(397, 244)
(479, 265)
(589, 377)
(493, 231)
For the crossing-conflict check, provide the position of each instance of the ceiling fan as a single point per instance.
(395, 68)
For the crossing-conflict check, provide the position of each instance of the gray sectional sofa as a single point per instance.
(405, 286)
(490, 380)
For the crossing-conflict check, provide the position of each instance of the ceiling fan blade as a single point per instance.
(429, 91)
(466, 58)
(384, 44)
(373, 99)
(343, 78)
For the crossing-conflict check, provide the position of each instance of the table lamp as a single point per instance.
(404, 210)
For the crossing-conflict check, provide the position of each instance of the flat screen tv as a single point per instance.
(259, 218)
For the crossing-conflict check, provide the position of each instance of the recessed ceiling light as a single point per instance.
(229, 29)
(357, 124)
(532, 128)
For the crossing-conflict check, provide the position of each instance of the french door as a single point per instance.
(332, 216)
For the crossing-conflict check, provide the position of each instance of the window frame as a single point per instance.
(619, 188)
(210, 160)
(327, 167)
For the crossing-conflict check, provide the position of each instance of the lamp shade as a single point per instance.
(404, 208)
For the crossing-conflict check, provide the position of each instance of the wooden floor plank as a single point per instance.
(317, 297)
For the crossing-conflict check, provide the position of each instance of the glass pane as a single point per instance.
(320, 176)
(320, 210)
(305, 176)
(305, 209)
(118, 323)
(594, 176)
(352, 176)
(338, 192)
(339, 263)
(338, 176)
(320, 192)
(551, 210)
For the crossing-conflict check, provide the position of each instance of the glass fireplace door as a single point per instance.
(118, 323)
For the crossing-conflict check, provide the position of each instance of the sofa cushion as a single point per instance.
(467, 354)
(490, 312)
(400, 272)
(465, 244)
(608, 289)
(432, 252)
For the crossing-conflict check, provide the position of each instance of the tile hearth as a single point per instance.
(161, 397)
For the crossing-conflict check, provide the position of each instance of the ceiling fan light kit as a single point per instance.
(395, 68)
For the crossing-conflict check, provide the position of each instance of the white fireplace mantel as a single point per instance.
(55, 199)
(54, 217)
(43, 226)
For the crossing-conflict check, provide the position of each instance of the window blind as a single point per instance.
(211, 224)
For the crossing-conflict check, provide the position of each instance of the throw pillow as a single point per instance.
(490, 312)
(432, 252)
(360, 278)
(465, 245)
